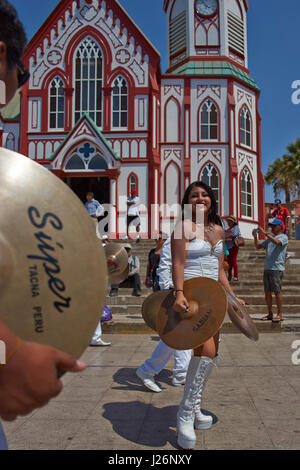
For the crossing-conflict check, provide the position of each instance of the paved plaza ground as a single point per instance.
(254, 396)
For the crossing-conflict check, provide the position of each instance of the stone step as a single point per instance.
(251, 296)
(292, 309)
(134, 324)
(290, 292)
(126, 309)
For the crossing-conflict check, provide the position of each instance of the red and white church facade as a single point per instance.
(98, 112)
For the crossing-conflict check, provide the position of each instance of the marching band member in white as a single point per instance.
(163, 353)
(197, 251)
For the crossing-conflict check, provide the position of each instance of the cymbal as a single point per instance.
(188, 330)
(119, 270)
(57, 277)
(151, 306)
(240, 317)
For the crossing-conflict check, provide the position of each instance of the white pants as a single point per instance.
(98, 332)
(3, 443)
(161, 356)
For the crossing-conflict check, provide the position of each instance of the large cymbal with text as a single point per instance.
(189, 329)
(53, 274)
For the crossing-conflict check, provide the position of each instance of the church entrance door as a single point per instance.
(97, 185)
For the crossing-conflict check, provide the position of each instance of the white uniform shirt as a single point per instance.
(100, 211)
(134, 209)
(164, 270)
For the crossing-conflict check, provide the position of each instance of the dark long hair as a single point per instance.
(213, 217)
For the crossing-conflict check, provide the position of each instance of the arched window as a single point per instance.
(246, 194)
(89, 81)
(75, 163)
(132, 183)
(98, 162)
(57, 104)
(172, 184)
(172, 121)
(245, 127)
(11, 142)
(120, 103)
(210, 176)
(209, 121)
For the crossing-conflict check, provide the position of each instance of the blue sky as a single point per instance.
(274, 59)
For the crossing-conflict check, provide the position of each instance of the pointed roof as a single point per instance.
(59, 14)
(84, 129)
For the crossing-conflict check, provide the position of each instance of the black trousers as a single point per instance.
(133, 281)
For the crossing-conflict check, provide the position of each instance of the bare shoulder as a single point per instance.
(219, 230)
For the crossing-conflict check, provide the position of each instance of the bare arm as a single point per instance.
(257, 244)
(270, 237)
(29, 378)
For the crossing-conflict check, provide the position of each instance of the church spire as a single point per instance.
(206, 30)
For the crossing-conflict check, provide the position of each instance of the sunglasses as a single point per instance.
(23, 74)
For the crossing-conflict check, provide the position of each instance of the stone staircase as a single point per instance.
(126, 309)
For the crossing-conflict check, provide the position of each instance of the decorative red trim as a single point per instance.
(71, 149)
(59, 13)
(112, 174)
(260, 176)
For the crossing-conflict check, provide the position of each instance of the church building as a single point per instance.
(100, 114)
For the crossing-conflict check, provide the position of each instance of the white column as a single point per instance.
(112, 213)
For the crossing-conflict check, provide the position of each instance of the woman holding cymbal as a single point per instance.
(197, 251)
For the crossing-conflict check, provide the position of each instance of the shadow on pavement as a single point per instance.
(128, 380)
(142, 423)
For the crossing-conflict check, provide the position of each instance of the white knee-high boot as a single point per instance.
(195, 378)
(203, 421)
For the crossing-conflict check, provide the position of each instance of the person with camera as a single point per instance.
(276, 244)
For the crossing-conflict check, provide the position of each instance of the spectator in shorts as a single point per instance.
(133, 214)
(275, 245)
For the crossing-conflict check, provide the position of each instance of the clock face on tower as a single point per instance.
(206, 7)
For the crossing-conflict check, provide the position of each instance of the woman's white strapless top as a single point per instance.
(202, 259)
